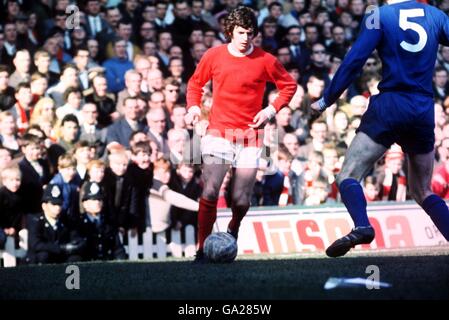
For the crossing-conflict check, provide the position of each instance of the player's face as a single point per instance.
(241, 38)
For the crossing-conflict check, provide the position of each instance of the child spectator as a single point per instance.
(140, 173)
(183, 181)
(120, 196)
(5, 159)
(10, 203)
(162, 198)
(65, 180)
(35, 173)
(317, 193)
(371, 189)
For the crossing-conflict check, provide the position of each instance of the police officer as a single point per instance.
(101, 236)
(49, 240)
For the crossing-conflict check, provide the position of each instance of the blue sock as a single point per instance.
(354, 199)
(437, 209)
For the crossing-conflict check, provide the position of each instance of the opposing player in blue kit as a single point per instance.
(406, 35)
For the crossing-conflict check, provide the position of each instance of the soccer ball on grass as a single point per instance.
(220, 247)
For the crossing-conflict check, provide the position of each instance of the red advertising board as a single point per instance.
(309, 229)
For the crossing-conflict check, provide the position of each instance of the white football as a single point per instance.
(220, 247)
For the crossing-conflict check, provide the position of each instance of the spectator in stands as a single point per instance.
(8, 133)
(269, 32)
(318, 66)
(23, 108)
(5, 159)
(339, 46)
(7, 92)
(371, 189)
(42, 63)
(44, 116)
(317, 193)
(81, 60)
(117, 66)
(95, 24)
(178, 142)
(391, 178)
(440, 178)
(156, 120)
(35, 173)
(315, 86)
(120, 201)
(319, 135)
(177, 117)
(10, 44)
(104, 101)
(84, 152)
(66, 180)
(171, 93)
(133, 81)
(73, 98)
(280, 188)
(140, 173)
(155, 80)
(69, 78)
(183, 181)
(11, 203)
(67, 137)
(90, 130)
(38, 85)
(165, 41)
(162, 197)
(440, 84)
(283, 119)
(121, 130)
(142, 65)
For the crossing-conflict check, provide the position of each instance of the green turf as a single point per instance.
(419, 274)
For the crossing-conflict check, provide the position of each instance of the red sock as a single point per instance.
(238, 213)
(206, 219)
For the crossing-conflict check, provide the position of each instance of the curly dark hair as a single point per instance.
(240, 17)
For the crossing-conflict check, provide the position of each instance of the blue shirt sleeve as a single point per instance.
(367, 41)
(444, 29)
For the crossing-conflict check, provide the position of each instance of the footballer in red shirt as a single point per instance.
(239, 72)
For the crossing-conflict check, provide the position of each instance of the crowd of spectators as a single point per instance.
(94, 92)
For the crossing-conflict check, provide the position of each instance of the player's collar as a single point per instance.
(236, 53)
(396, 1)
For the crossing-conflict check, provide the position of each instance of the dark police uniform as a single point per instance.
(101, 236)
(52, 244)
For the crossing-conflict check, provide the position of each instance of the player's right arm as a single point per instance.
(202, 74)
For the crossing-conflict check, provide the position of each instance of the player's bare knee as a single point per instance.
(419, 194)
(210, 193)
(346, 175)
(240, 201)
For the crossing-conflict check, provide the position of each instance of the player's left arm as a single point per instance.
(285, 84)
(368, 39)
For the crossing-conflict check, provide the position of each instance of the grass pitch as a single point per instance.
(414, 274)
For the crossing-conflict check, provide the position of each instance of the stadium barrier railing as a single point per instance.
(147, 246)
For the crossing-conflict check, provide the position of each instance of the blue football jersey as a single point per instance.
(406, 35)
